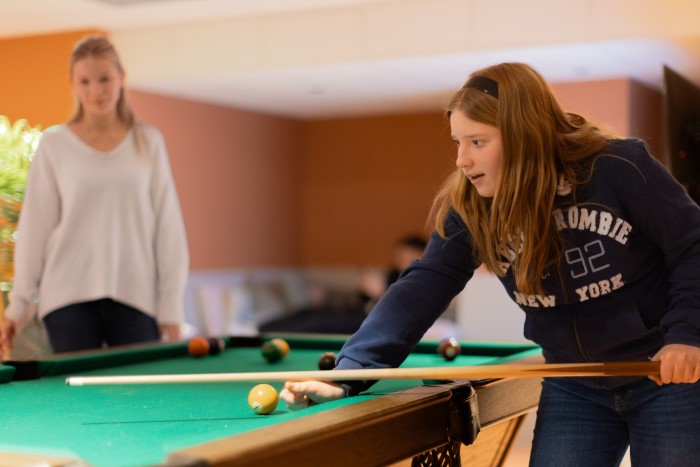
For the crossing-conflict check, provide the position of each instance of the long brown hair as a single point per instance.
(540, 142)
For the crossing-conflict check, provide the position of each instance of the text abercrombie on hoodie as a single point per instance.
(628, 282)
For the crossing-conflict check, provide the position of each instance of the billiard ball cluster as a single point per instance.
(200, 347)
(274, 350)
(449, 349)
(263, 399)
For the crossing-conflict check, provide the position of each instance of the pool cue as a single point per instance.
(438, 373)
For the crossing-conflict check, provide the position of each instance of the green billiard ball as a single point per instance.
(274, 350)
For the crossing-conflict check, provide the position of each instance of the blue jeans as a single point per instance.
(579, 425)
(89, 325)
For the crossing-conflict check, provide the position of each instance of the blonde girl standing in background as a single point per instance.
(101, 240)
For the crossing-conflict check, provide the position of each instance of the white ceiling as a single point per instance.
(328, 58)
(20, 17)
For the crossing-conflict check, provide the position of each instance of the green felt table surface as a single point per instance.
(134, 425)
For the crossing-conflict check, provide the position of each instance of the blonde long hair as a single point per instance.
(540, 142)
(101, 47)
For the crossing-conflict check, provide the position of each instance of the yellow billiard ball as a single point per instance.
(263, 399)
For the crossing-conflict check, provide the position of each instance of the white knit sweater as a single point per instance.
(100, 225)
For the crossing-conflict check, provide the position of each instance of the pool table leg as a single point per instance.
(448, 455)
(492, 446)
(490, 449)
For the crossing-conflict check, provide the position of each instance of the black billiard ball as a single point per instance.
(216, 345)
(449, 349)
(327, 361)
(198, 347)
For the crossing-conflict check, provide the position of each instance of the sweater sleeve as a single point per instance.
(413, 303)
(170, 242)
(41, 212)
(668, 217)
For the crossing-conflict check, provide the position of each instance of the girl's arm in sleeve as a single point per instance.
(671, 219)
(413, 303)
(170, 243)
(40, 213)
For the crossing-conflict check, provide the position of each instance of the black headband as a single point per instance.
(483, 84)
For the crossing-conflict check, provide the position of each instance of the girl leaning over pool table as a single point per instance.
(597, 244)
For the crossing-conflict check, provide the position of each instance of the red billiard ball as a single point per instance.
(263, 399)
(449, 349)
(198, 347)
(274, 350)
(216, 345)
(327, 361)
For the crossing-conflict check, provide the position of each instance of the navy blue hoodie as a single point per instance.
(628, 282)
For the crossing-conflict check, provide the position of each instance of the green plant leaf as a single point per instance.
(18, 142)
